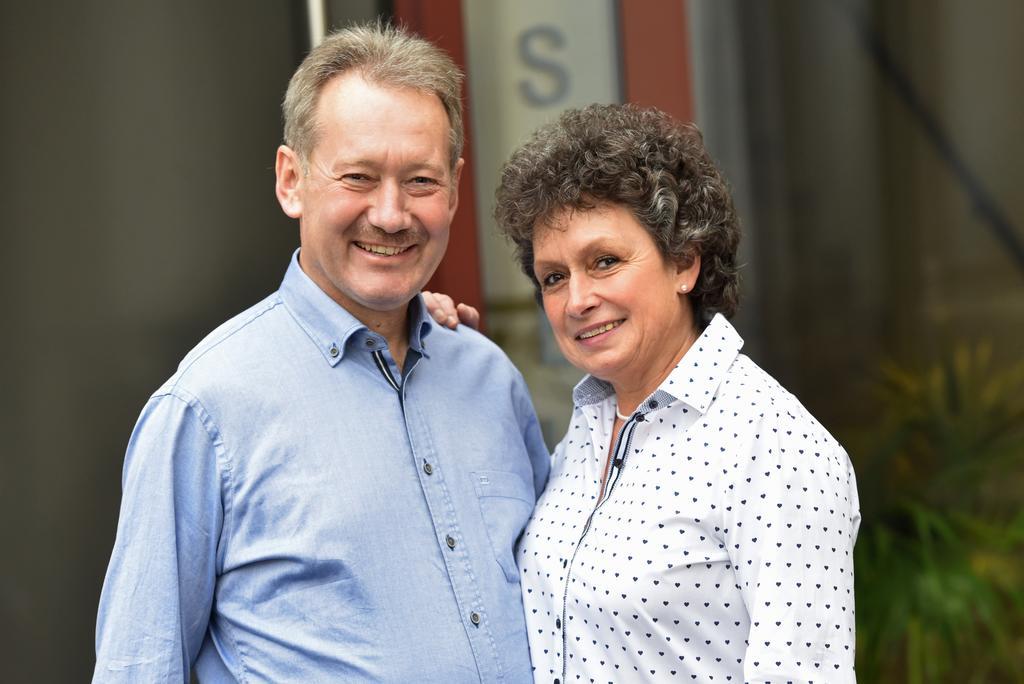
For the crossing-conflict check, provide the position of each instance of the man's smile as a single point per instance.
(383, 250)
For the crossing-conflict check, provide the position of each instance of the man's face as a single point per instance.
(376, 203)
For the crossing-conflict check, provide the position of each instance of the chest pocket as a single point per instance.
(506, 502)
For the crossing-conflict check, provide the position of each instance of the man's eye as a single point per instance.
(423, 180)
(356, 177)
(606, 262)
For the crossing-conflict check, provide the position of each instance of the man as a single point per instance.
(330, 486)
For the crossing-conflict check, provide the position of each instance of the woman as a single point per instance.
(698, 523)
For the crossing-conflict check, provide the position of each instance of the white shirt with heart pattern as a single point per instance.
(722, 550)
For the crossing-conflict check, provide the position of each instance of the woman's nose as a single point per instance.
(582, 296)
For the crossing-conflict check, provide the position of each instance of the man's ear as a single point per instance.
(288, 169)
(453, 200)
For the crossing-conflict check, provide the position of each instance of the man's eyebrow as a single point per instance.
(342, 163)
(432, 169)
(414, 167)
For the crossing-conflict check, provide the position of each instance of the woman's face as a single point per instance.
(614, 302)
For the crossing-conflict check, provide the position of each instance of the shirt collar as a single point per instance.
(694, 380)
(332, 327)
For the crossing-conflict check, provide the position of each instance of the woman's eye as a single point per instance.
(606, 262)
(551, 279)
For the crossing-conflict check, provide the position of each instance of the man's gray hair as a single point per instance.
(384, 55)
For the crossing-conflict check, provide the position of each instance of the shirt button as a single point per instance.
(333, 351)
(558, 623)
(428, 469)
(653, 403)
(450, 541)
(640, 418)
(369, 343)
(474, 618)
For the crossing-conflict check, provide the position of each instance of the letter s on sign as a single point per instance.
(529, 40)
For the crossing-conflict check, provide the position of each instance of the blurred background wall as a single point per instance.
(138, 211)
(874, 149)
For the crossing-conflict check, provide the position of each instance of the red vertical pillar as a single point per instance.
(440, 22)
(656, 67)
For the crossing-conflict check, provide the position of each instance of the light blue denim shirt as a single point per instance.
(296, 509)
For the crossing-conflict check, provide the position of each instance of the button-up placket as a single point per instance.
(440, 503)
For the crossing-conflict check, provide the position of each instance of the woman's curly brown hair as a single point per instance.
(638, 158)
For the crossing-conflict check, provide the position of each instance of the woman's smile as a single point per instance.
(594, 331)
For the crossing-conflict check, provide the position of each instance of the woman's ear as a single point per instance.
(687, 271)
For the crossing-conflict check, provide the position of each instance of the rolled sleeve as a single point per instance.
(158, 591)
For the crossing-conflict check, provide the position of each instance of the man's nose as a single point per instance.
(388, 211)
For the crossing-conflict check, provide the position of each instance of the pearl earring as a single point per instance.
(683, 288)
